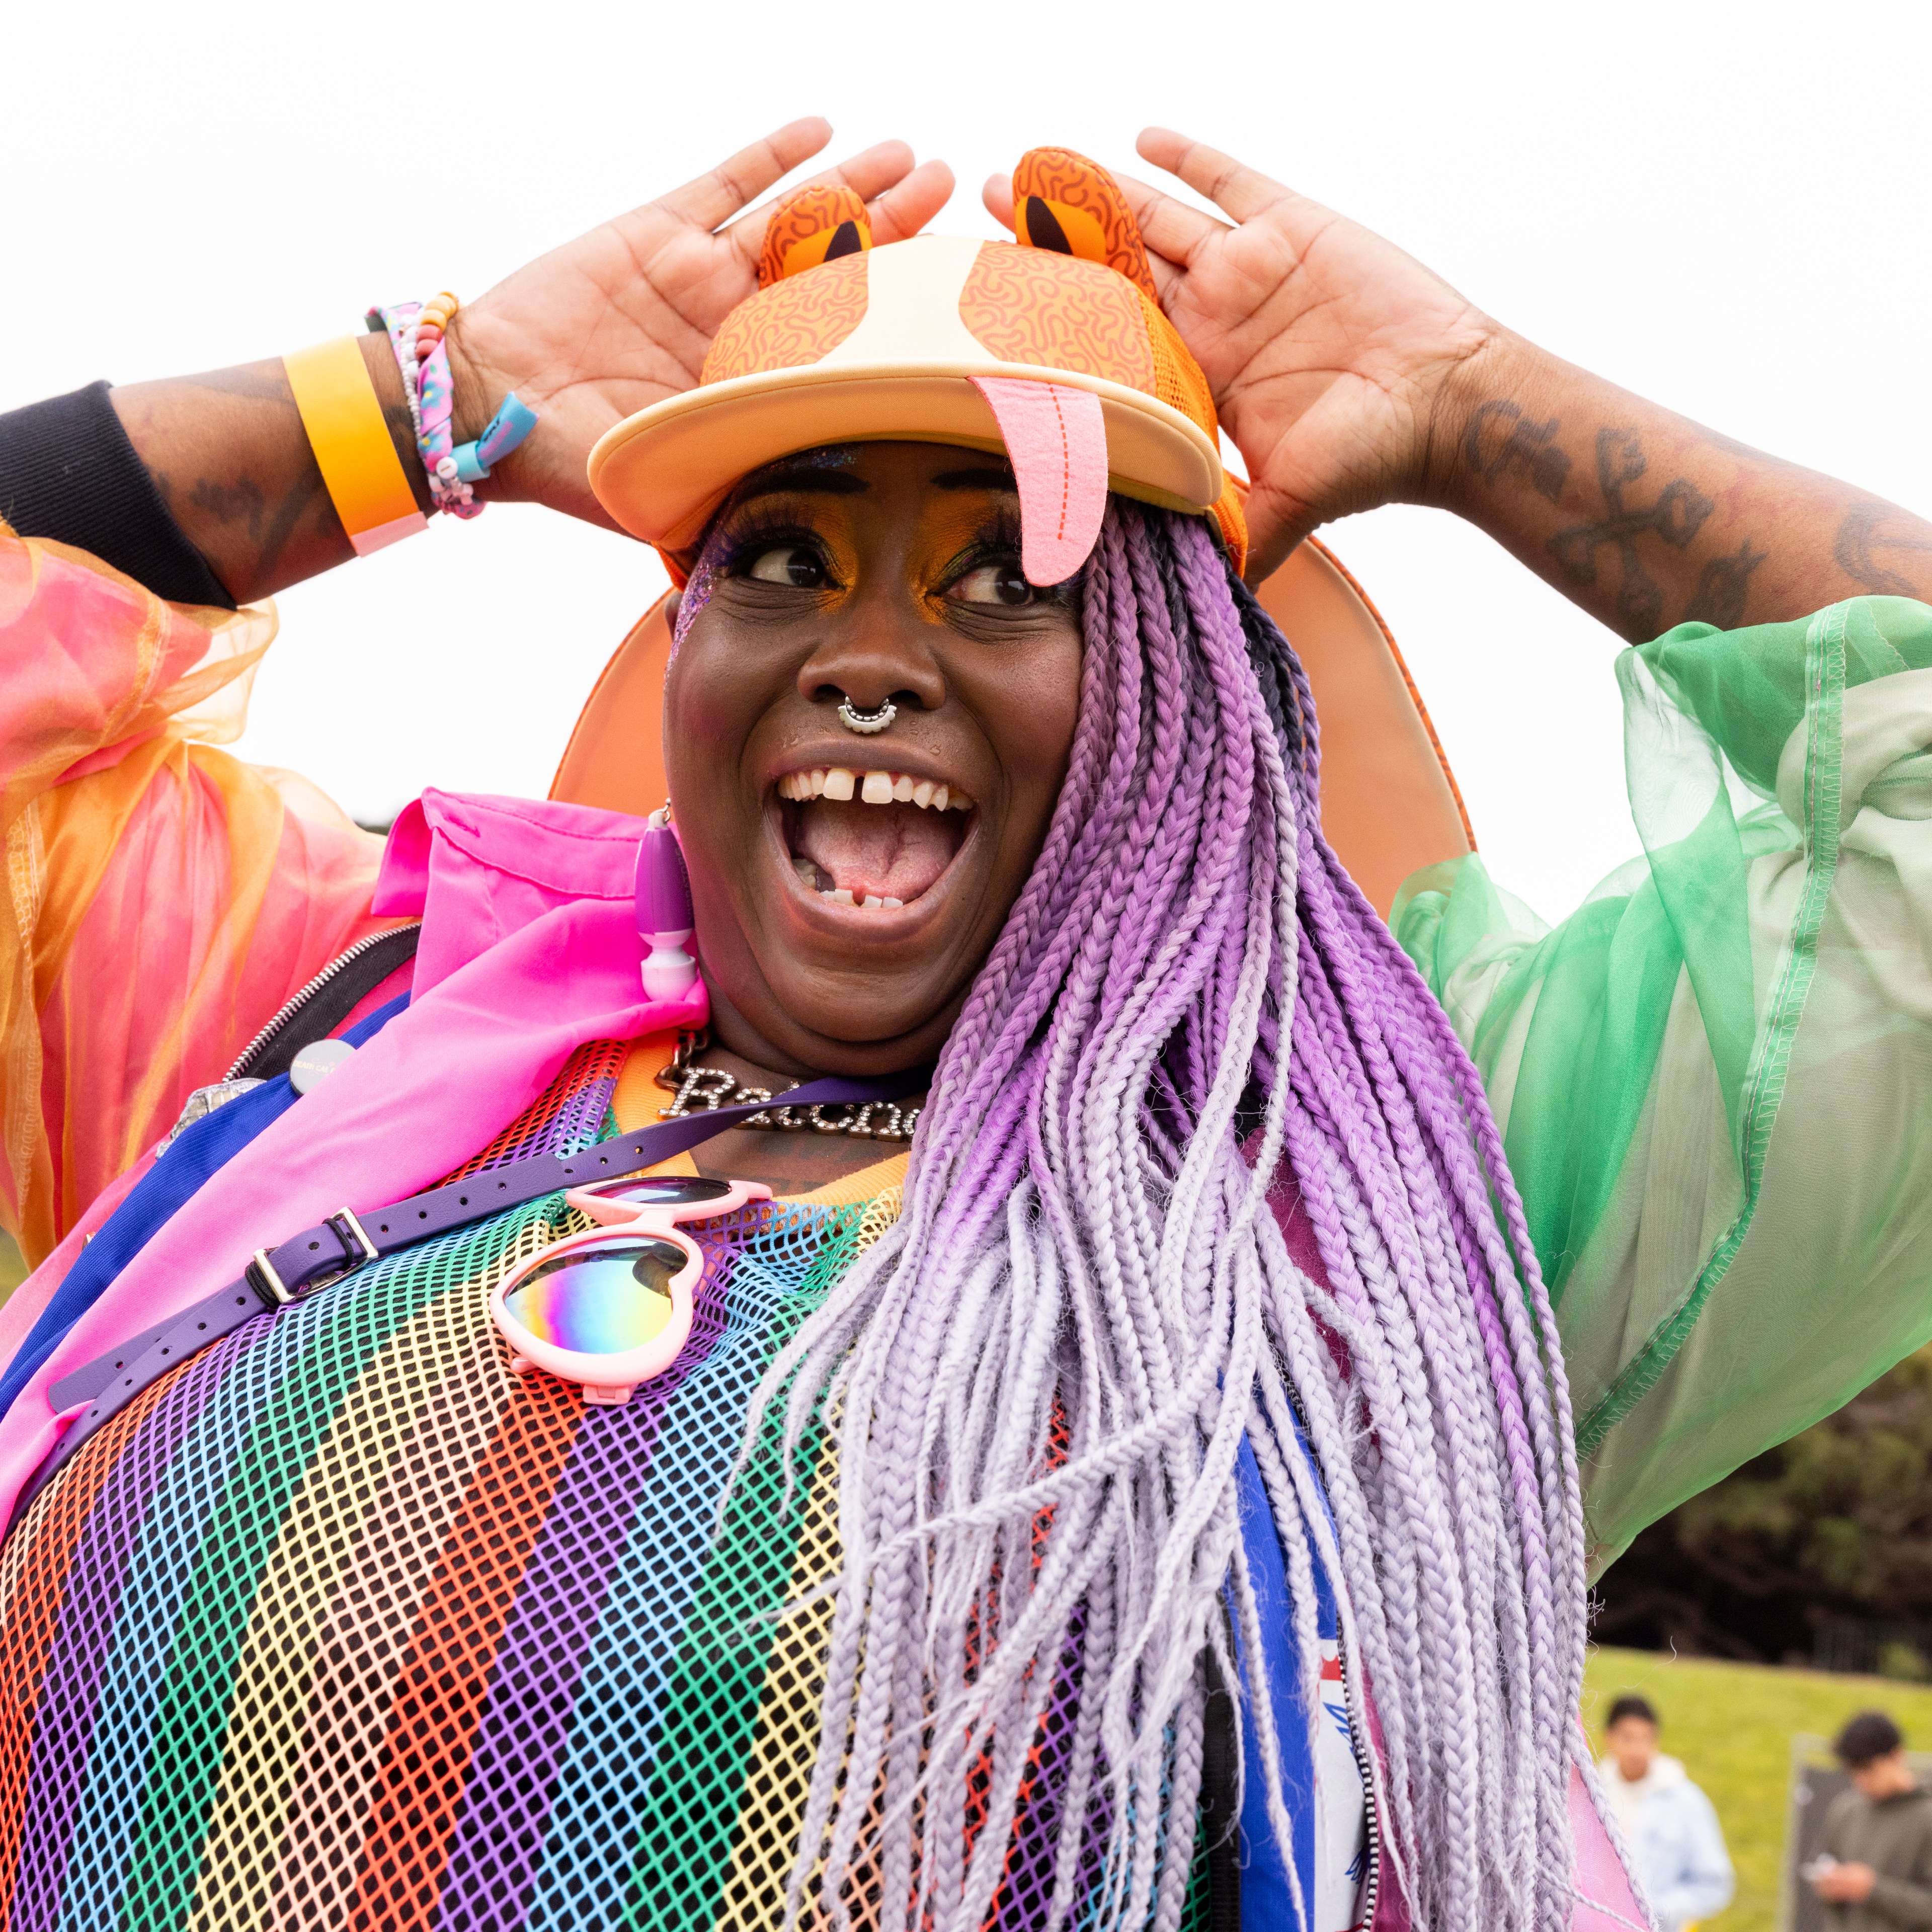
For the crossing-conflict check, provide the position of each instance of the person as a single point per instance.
(1167, 1495)
(1674, 1837)
(1874, 1870)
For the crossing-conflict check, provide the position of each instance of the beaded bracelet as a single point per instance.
(416, 332)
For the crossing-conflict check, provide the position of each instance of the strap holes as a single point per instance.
(462, 1201)
(422, 1214)
(313, 1245)
(385, 1227)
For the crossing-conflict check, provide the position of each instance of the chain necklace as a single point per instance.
(709, 1087)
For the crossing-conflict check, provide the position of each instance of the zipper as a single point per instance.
(291, 1006)
(1366, 1767)
(1365, 1763)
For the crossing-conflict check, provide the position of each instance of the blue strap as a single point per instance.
(198, 1153)
(1267, 1897)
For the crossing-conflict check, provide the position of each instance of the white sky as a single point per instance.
(1726, 208)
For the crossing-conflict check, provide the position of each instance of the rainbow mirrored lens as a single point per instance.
(599, 1301)
(658, 1190)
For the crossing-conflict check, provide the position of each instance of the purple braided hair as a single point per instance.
(1040, 1378)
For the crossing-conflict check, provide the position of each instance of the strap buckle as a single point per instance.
(346, 1229)
(262, 1276)
(344, 1222)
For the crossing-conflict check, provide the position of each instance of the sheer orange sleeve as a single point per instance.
(162, 899)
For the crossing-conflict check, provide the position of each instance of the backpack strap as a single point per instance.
(326, 1001)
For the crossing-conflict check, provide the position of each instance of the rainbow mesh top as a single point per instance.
(343, 1624)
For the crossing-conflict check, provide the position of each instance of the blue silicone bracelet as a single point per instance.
(507, 428)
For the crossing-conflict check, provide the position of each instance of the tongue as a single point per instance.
(884, 851)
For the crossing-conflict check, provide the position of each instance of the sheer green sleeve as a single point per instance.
(1715, 1079)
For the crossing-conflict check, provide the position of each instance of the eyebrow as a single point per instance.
(802, 483)
(1001, 479)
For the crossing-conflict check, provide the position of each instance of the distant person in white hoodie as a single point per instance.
(1667, 1822)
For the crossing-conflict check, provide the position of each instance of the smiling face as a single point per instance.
(848, 886)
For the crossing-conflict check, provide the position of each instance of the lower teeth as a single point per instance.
(809, 876)
(844, 896)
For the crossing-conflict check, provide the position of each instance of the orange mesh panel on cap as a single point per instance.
(1233, 520)
(1057, 312)
(1177, 380)
(792, 324)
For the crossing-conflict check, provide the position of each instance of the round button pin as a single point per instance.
(316, 1062)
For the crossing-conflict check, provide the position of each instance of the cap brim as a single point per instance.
(662, 473)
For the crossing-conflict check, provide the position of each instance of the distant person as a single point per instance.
(1874, 1867)
(1668, 1823)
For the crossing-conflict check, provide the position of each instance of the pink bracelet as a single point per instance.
(416, 332)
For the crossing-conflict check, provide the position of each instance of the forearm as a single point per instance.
(1905, 1903)
(1644, 518)
(228, 452)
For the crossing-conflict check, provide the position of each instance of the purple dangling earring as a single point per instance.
(665, 917)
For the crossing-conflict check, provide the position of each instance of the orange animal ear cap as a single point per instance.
(1069, 205)
(1052, 347)
(815, 225)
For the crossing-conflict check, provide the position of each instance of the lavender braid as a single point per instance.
(1043, 1374)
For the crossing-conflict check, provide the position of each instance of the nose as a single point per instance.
(871, 659)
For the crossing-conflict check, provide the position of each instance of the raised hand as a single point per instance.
(621, 317)
(1327, 349)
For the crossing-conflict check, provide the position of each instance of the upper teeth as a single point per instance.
(837, 782)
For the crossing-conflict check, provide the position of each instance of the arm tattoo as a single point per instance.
(1861, 535)
(229, 502)
(1722, 586)
(288, 514)
(1500, 443)
(1676, 515)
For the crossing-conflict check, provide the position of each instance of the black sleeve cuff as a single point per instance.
(68, 472)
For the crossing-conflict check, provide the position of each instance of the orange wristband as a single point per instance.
(359, 462)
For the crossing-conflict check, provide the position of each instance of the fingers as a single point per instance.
(714, 198)
(997, 194)
(904, 208)
(1171, 228)
(902, 199)
(1238, 190)
(872, 172)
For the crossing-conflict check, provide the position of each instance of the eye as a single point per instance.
(1001, 583)
(795, 564)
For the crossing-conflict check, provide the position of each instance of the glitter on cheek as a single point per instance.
(697, 591)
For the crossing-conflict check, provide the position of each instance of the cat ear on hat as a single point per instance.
(1066, 204)
(815, 225)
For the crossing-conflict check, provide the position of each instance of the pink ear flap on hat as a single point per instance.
(1057, 440)
(1065, 205)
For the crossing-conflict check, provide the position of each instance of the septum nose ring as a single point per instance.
(865, 722)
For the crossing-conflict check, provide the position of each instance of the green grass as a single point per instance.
(12, 1268)
(1732, 1724)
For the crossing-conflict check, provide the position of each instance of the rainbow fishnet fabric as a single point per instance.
(343, 1625)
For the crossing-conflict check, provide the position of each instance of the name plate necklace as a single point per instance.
(695, 1088)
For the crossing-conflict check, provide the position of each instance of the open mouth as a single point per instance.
(875, 840)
